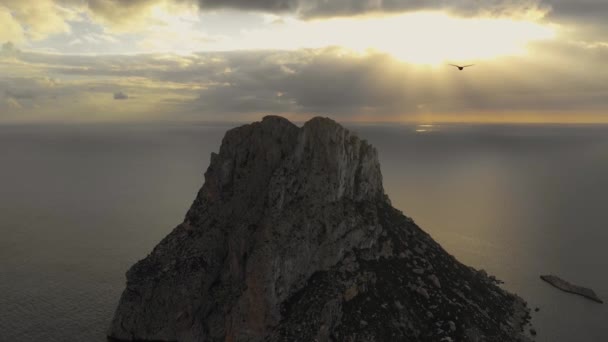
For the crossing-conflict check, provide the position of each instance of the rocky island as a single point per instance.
(292, 238)
(571, 288)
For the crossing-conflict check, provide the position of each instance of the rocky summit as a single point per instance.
(292, 238)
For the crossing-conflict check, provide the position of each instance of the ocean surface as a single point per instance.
(79, 204)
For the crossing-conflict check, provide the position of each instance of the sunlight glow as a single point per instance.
(426, 128)
(423, 38)
(428, 38)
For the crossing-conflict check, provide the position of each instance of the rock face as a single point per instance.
(291, 238)
(567, 287)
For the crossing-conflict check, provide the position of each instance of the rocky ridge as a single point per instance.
(292, 238)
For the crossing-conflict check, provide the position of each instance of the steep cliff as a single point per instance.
(291, 238)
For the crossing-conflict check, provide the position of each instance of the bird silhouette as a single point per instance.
(462, 67)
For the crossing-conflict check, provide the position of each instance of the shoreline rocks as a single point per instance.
(571, 288)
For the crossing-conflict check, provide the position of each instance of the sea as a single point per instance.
(80, 203)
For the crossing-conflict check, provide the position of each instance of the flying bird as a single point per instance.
(461, 67)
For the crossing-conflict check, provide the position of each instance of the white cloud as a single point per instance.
(39, 19)
(10, 29)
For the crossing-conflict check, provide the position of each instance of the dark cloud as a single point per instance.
(586, 19)
(121, 12)
(320, 8)
(324, 8)
(580, 10)
(120, 96)
(260, 5)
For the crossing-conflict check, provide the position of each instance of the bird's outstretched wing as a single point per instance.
(470, 65)
(454, 65)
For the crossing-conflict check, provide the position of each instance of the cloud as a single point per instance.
(123, 16)
(584, 19)
(12, 103)
(11, 29)
(176, 25)
(120, 12)
(27, 89)
(324, 8)
(8, 49)
(36, 19)
(565, 75)
(580, 10)
(259, 5)
(556, 78)
(26, 20)
(120, 96)
(334, 82)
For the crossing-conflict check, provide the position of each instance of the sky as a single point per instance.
(352, 60)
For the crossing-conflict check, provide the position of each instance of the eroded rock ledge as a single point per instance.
(291, 238)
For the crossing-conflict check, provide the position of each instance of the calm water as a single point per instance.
(80, 204)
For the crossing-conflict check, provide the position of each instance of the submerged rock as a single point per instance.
(292, 238)
(567, 287)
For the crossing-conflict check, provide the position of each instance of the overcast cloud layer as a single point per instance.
(558, 80)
